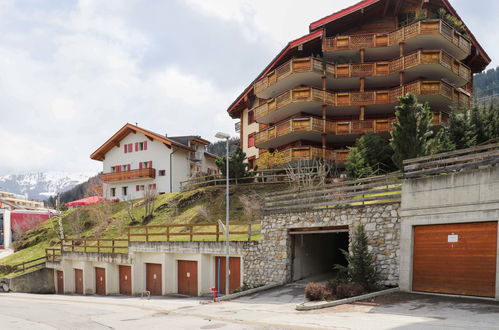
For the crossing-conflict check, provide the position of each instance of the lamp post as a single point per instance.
(226, 136)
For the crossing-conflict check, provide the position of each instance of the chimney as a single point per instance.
(166, 135)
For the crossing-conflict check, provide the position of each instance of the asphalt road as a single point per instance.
(273, 309)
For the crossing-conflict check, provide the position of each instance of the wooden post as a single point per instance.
(98, 245)
(362, 113)
(324, 110)
(401, 49)
(112, 244)
(190, 232)
(249, 231)
(129, 234)
(147, 234)
(362, 55)
(362, 84)
(218, 231)
(85, 245)
(167, 233)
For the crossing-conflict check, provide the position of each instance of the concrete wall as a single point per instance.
(463, 197)
(39, 281)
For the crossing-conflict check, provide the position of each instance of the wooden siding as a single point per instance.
(466, 267)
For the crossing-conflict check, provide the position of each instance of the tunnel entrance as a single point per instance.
(316, 250)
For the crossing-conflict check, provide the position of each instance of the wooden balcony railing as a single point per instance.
(144, 173)
(345, 99)
(320, 126)
(427, 27)
(310, 153)
(99, 245)
(296, 65)
(339, 71)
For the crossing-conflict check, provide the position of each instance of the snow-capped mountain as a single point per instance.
(42, 185)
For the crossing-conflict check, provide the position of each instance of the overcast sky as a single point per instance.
(73, 72)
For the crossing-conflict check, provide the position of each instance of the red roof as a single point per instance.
(341, 13)
(85, 201)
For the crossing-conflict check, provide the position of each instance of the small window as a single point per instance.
(124, 190)
(251, 117)
(251, 140)
(161, 172)
(113, 192)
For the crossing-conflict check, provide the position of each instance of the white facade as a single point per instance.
(171, 166)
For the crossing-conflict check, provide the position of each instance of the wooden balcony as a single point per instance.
(419, 35)
(440, 94)
(141, 174)
(432, 64)
(311, 129)
(294, 154)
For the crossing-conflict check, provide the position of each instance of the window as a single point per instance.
(126, 167)
(113, 192)
(161, 172)
(152, 186)
(147, 164)
(124, 191)
(251, 140)
(139, 187)
(251, 117)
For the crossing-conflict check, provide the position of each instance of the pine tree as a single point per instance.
(361, 267)
(237, 166)
(356, 166)
(411, 137)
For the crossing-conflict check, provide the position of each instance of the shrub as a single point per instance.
(316, 291)
(347, 290)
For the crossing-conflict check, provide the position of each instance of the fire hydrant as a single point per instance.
(215, 293)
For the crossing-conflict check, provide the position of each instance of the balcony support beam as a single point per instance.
(362, 84)
(362, 113)
(362, 55)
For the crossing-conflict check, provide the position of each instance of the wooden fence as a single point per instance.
(99, 245)
(28, 265)
(374, 190)
(238, 231)
(453, 161)
(53, 254)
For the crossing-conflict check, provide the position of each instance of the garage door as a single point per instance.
(79, 281)
(125, 280)
(60, 281)
(188, 277)
(234, 273)
(455, 258)
(154, 279)
(100, 281)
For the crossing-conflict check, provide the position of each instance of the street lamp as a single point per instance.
(226, 136)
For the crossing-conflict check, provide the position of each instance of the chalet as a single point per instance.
(135, 160)
(325, 89)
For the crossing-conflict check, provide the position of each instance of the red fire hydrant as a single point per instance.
(215, 293)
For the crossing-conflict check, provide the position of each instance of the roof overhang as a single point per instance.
(342, 13)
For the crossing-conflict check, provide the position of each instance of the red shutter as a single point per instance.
(137, 188)
(118, 168)
(154, 186)
(130, 147)
(125, 148)
(140, 165)
(136, 146)
(145, 145)
(150, 164)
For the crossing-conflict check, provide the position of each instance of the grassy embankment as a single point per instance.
(204, 205)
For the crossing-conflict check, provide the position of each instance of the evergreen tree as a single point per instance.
(237, 167)
(411, 137)
(371, 155)
(361, 267)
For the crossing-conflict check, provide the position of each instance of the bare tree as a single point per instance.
(203, 211)
(150, 196)
(252, 206)
(308, 174)
(59, 217)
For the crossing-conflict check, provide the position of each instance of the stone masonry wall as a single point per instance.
(272, 263)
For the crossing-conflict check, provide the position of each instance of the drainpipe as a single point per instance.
(171, 190)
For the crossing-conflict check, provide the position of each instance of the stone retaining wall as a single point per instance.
(382, 224)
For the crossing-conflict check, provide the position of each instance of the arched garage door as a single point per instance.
(455, 258)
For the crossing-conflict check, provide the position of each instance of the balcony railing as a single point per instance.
(427, 27)
(320, 126)
(338, 71)
(144, 173)
(310, 153)
(347, 99)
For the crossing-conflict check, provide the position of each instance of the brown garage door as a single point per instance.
(100, 281)
(234, 273)
(79, 281)
(125, 280)
(188, 277)
(455, 258)
(154, 279)
(60, 281)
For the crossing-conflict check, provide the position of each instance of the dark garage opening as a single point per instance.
(315, 252)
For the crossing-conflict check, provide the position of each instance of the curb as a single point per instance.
(248, 292)
(303, 307)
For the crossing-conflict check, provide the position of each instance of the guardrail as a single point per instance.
(27, 265)
(99, 245)
(53, 254)
(375, 190)
(452, 161)
(238, 231)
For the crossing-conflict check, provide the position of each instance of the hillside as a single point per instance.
(111, 220)
(91, 187)
(486, 83)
